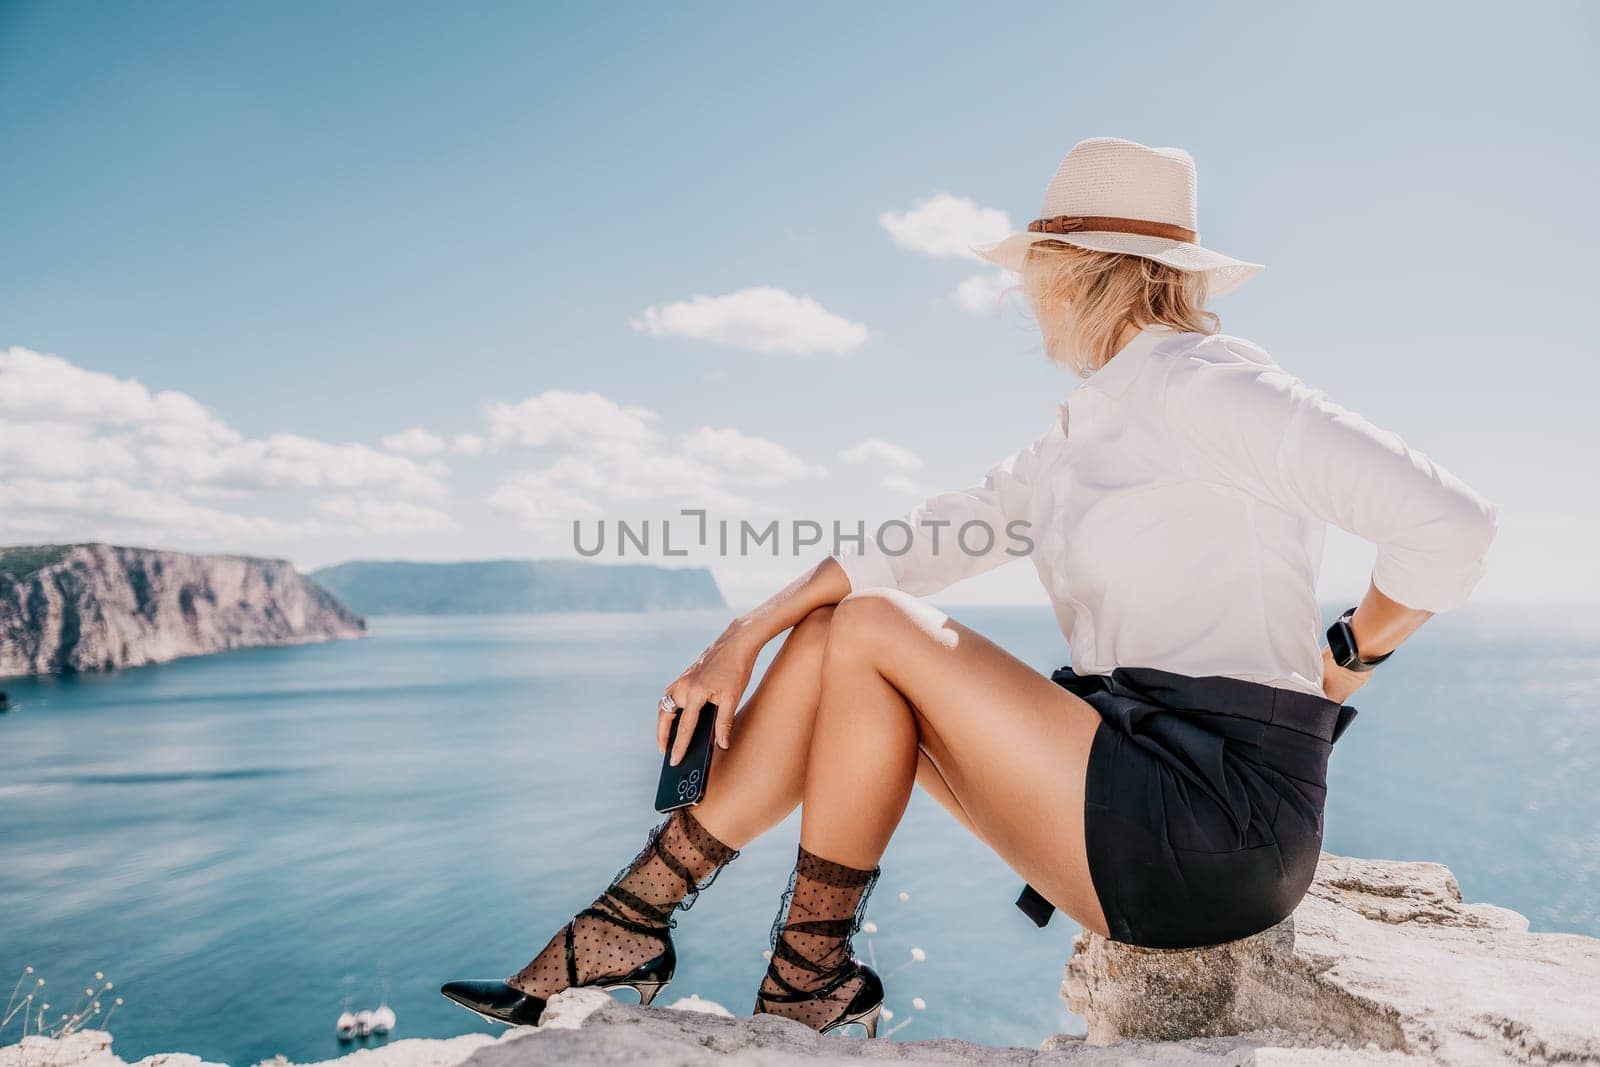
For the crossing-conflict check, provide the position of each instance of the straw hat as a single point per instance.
(1111, 195)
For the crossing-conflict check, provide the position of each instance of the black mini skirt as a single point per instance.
(1203, 804)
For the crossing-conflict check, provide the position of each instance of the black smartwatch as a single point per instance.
(1342, 643)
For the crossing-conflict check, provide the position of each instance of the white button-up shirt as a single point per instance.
(1177, 512)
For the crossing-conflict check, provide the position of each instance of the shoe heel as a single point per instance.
(647, 990)
(868, 1020)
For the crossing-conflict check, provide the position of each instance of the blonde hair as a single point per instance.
(1083, 299)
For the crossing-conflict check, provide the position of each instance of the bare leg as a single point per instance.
(756, 783)
(909, 695)
(933, 783)
(1010, 746)
(758, 779)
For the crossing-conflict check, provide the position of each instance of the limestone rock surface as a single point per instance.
(1382, 955)
(615, 1033)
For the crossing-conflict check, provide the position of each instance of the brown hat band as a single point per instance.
(1112, 224)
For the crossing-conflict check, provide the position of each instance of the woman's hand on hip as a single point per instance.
(719, 676)
(1339, 682)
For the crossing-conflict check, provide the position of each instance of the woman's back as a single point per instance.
(1177, 515)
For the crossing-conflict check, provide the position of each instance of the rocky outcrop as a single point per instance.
(592, 1030)
(1382, 964)
(1380, 954)
(92, 1048)
(94, 607)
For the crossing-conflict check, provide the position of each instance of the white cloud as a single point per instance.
(946, 226)
(762, 319)
(422, 444)
(286, 460)
(600, 452)
(878, 451)
(570, 420)
(646, 475)
(982, 293)
(467, 444)
(899, 483)
(573, 486)
(752, 460)
(35, 385)
(86, 454)
(70, 422)
(534, 499)
(579, 482)
(108, 509)
(370, 514)
(414, 442)
(55, 448)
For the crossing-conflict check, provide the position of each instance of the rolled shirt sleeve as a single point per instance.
(1247, 422)
(935, 545)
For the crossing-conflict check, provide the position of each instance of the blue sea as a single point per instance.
(245, 843)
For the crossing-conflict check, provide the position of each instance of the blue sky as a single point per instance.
(325, 225)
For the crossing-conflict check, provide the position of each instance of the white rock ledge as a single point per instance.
(1381, 964)
(1380, 954)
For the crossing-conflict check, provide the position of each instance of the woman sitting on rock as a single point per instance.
(1167, 788)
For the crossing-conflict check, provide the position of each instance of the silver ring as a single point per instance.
(668, 706)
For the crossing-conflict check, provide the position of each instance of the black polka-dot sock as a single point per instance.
(811, 941)
(625, 927)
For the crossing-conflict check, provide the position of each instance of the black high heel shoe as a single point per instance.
(499, 1002)
(863, 1009)
(811, 966)
(680, 858)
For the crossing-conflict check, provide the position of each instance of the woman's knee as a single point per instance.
(811, 632)
(862, 620)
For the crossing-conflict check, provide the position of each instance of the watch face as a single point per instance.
(1342, 643)
(1343, 646)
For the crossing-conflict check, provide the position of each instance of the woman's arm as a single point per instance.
(932, 559)
(1249, 423)
(723, 670)
(956, 535)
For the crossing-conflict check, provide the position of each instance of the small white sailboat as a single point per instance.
(375, 1022)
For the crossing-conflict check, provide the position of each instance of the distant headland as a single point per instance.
(516, 586)
(95, 607)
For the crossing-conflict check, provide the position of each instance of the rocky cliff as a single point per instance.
(96, 607)
(1382, 964)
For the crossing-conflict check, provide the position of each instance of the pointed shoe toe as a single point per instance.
(495, 1001)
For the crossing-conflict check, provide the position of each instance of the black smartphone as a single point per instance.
(685, 784)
